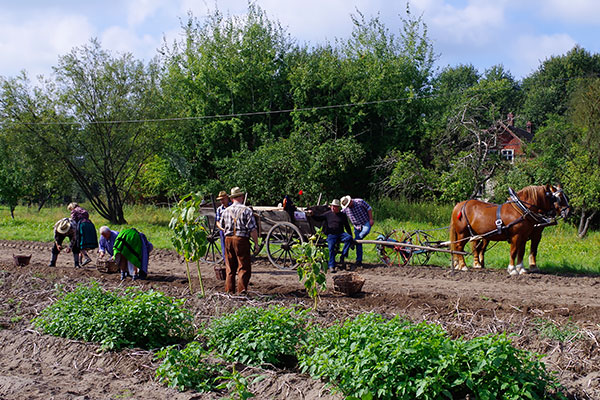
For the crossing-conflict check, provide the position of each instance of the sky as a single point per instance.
(519, 34)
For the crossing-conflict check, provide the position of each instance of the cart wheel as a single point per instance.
(280, 239)
(396, 254)
(421, 256)
(213, 253)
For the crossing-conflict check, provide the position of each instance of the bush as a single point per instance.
(258, 336)
(133, 319)
(369, 357)
(188, 368)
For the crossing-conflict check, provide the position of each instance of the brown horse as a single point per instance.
(518, 220)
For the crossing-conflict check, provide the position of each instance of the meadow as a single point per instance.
(561, 250)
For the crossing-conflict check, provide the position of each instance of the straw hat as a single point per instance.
(63, 226)
(222, 195)
(346, 202)
(236, 192)
(335, 202)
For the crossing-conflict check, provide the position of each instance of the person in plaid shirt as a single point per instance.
(238, 226)
(360, 214)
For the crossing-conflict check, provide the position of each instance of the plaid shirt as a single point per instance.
(238, 220)
(358, 212)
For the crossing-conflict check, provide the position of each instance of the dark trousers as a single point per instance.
(237, 252)
(56, 252)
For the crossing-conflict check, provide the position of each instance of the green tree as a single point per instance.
(84, 118)
(234, 67)
(581, 172)
(547, 90)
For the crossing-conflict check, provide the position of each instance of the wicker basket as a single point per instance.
(220, 273)
(21, 260)
(107, 266)
(349, 284)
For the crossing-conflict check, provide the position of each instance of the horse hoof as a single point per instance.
(521, 271)
(534, 268)
(512, 270)
(465, 268)
(478, 266)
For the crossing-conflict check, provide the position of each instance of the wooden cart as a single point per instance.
(278, 231)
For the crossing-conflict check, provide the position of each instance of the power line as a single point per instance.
(273, 112)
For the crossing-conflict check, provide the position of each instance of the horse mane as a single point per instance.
(532, 194)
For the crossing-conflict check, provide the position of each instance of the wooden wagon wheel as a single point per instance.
(396, 254)
(213, 253)
(421, 256)
(280, 239)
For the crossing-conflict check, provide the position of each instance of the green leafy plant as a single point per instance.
(258, 336)
(189, 233)
(146, 319)
(237, 384)
(373, 358)
(312, 265)
(188, 368)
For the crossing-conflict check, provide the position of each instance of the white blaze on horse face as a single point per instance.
(512, 270)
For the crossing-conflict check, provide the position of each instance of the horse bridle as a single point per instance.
(557, 197)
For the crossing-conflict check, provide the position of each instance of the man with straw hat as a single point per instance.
(238, 226)
(64, 228)
(223, 197)
(338, 230)
(361, 216)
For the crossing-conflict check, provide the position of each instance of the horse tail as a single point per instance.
(453, 235)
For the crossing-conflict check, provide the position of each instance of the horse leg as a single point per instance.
(514, 250)
(520, 255)
(536, 236)
(458, 259)
(483, 247)
(478, 250)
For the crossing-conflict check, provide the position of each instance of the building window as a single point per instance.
(508, 154)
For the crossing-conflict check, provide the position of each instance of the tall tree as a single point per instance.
(234, 67)
(88, 118)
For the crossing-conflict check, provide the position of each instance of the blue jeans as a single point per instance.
(359, 233)
(222, 238)
(332, 242)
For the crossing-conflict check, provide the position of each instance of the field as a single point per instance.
(555, 312)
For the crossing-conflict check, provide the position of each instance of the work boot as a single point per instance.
(53, 260)
(136, 277)
(123, 275)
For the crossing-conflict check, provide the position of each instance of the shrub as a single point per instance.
(369, 357)
(135, 318)
(188, 368)
(258, 336)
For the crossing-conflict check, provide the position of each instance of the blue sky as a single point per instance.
(516, 33)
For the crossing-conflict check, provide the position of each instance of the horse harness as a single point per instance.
(538, 220)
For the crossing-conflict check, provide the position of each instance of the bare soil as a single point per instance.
(467, 304)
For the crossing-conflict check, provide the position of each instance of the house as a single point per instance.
(510, 139)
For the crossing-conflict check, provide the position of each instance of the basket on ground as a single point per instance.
(349, 284)
(107, 266)
(21, 260)
(220, 273)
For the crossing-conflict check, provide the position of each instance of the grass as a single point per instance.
(560, 251)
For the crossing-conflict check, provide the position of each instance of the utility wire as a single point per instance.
(274, 112)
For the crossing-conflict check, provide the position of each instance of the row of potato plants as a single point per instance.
(368, 357)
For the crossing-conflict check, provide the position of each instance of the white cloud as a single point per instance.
(139, 10)
(35, 44)
(582, 11)
(124, 40)
(529, 51)
(477, 23)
